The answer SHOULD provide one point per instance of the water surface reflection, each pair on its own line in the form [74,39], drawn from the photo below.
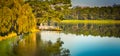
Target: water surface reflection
[32,45]
[86,45]
[92,29]
[74,40]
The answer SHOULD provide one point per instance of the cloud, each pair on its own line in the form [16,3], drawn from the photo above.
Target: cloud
[94,2]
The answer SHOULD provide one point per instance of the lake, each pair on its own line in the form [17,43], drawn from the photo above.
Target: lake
[73,40]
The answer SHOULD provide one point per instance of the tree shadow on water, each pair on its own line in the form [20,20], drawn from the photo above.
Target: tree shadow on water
[33,45]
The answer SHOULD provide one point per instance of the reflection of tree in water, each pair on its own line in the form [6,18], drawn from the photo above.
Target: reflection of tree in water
[33,45]
[47,48]
[25,46]
[92,29]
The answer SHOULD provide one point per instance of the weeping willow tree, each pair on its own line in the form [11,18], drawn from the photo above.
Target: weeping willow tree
[26,20]
[17,16]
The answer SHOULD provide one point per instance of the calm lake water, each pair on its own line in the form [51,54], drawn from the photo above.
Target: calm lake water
[74,40]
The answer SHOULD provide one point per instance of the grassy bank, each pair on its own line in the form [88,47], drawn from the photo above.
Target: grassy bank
[10,35]
[92,21]
[13,34]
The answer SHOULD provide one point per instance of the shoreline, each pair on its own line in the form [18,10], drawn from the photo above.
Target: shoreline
[92,21]
[13,34]
[10,35]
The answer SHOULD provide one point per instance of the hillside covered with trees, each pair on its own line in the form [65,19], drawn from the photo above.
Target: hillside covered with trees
[95,13]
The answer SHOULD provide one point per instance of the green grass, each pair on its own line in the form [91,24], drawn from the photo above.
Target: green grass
[91,21]
[10,35]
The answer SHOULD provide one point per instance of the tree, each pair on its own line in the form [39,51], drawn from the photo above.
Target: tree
[26,20]
[6,16]
[17,16]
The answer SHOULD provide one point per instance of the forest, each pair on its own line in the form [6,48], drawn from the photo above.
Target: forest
[94,13]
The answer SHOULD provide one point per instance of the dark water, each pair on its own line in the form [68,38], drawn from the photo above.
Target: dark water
[74,40]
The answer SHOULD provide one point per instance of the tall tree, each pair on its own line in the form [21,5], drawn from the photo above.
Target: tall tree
[15,15]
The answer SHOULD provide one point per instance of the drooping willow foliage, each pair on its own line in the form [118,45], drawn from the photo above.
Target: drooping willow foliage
[17,16]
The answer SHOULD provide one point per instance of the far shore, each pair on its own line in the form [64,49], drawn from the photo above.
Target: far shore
[91,21]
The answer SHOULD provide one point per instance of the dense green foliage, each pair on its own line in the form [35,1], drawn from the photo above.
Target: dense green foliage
[52,10]
[26,20]
[17,16]
[95,13]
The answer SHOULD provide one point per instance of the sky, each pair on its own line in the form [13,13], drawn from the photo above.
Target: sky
[93,3]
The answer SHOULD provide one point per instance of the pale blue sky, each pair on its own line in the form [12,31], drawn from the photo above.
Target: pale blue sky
[94,2]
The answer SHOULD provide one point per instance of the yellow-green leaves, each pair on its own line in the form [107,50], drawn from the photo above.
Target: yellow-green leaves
[25,20]
[16,16]
[6,16]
